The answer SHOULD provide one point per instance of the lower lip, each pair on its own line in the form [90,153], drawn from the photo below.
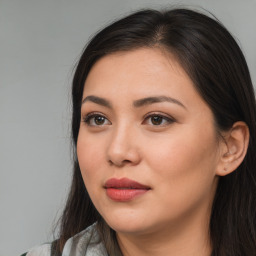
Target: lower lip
[124,195]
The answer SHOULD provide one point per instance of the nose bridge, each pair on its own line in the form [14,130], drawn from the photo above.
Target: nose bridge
[122,146]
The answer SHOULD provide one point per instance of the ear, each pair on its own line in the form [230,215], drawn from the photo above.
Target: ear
[233,148]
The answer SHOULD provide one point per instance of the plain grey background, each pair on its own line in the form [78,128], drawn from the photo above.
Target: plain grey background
[40,42]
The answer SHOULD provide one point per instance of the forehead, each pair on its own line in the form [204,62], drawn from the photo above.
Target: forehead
[143,68]
[140,73]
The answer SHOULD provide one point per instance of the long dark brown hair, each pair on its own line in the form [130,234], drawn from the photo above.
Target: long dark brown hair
[216,65]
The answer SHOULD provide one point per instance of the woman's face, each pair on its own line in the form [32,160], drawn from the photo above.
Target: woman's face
[142,121]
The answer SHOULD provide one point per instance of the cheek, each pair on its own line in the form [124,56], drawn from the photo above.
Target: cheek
[90,157]
[179,151]
[184,165]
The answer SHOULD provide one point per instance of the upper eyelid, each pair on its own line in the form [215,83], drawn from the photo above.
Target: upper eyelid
[93,114]
[158,114]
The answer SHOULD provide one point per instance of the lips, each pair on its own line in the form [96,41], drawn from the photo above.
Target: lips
[124,189]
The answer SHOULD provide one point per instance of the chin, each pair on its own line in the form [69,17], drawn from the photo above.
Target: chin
[128,229]
[131,224]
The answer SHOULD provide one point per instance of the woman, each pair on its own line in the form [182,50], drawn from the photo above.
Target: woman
[164,142]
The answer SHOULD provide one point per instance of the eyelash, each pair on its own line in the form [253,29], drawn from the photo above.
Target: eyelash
[92,115]
[168,120]
[89,116]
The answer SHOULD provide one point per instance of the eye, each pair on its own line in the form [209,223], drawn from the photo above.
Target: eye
[94,119]
[159,120]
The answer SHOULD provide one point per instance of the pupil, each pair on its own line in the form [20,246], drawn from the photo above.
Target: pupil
[99,120]
[157,120]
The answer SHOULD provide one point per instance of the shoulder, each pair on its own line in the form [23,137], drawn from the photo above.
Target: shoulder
[85,243]
[42,250]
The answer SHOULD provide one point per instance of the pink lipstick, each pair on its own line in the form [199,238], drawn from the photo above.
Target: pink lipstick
[124,189]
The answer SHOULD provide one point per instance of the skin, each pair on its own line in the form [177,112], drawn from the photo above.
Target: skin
[177,159]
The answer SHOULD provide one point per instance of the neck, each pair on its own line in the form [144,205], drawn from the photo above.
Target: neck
[189,238]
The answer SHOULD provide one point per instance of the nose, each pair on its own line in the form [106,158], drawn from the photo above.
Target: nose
[123,148]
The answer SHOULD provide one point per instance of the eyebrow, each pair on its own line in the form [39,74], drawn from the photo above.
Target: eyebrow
[97,100]
[151,100]
[136,103]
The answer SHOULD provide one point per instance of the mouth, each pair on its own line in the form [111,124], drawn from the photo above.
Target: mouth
[123,190]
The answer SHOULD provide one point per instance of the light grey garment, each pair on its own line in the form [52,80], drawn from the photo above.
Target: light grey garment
[85,243]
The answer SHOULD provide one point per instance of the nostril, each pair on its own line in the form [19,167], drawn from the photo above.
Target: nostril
[110,162]
[126,161]
[119,163]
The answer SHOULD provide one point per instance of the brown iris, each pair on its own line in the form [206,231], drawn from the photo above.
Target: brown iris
[156,120]
[99,120]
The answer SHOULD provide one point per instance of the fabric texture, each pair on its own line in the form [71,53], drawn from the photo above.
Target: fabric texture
[85,243]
